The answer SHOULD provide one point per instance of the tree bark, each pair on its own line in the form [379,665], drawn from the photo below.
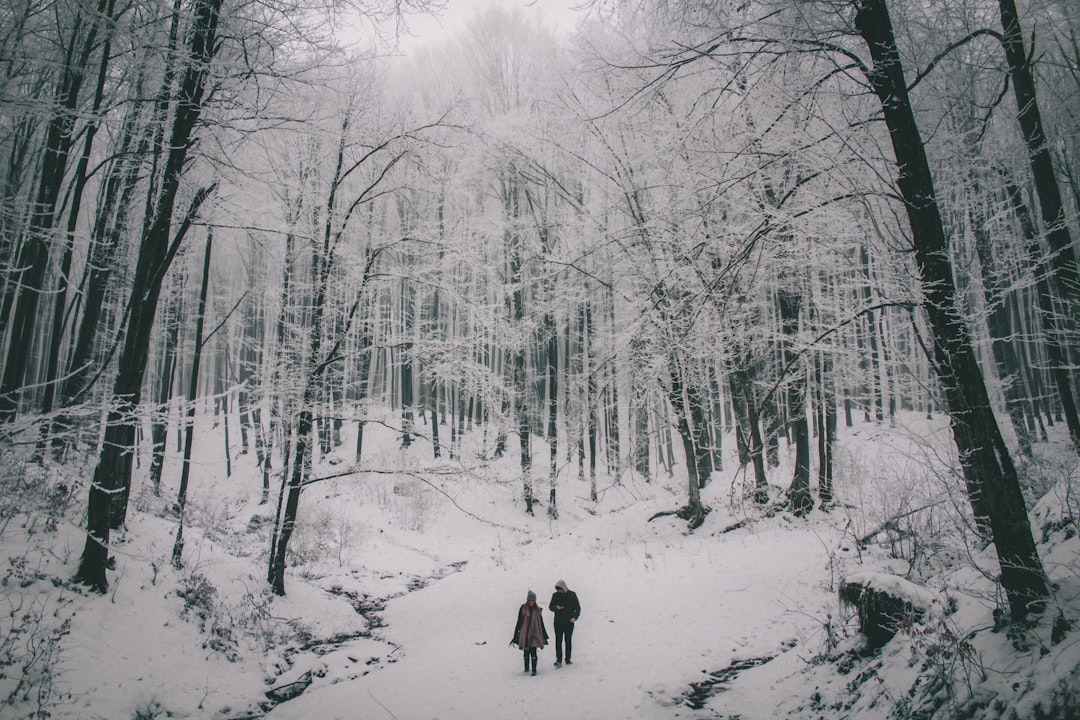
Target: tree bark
[799,500]
[112,475]
[189,410]
[992,483]
[553,412]
[679,395]
[159,420]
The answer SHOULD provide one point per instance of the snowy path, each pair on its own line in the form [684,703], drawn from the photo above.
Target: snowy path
[654,618]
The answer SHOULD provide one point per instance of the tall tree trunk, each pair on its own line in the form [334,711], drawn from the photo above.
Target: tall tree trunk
[992,483]
[159,419]
[301,470]
[553,412]
[699,417]
[639,409]
[515,248]
[612,449]
[871,329]
[434,399]
[826,384]
[590,399]
[112,475]
[716,428]
[407,417]
[189,410]
[679,394]
[799,500]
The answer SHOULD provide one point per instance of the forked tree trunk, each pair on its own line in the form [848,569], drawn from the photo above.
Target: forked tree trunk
[679,395]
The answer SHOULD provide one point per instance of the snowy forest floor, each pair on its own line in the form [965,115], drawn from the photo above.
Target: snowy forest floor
[405,577]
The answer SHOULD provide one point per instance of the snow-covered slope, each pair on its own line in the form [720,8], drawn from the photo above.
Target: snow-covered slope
[406,577]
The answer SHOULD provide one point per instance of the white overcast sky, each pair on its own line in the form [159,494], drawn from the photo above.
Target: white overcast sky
[559,15]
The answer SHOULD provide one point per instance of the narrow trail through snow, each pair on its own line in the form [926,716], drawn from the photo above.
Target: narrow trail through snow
[656,617]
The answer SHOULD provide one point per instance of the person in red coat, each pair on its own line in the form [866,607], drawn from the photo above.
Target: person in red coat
[564,603]
[529,633]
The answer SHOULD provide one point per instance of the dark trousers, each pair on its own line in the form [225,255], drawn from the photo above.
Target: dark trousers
[563,632]
[530,655]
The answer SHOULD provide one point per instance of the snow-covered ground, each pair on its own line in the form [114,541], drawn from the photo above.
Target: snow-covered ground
[406,576]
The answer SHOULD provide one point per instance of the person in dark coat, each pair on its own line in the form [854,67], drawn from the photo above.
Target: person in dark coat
[529,633]
[564,603]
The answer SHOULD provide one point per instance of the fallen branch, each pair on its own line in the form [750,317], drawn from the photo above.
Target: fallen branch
[891,523]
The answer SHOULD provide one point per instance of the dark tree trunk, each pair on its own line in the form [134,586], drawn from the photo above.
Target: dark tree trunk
[699,416]
[799,500]
[406,371]
[826,384]
[590,400]
[992,483]
[112,475]
[639,409]
[434,399]
[773,420]
[716,429]
[742,420]
[262,455]
[515,249]
[159,421]
[553,412]
[612,449]
[876,398]
[189,410]
[679,395]
[301,468]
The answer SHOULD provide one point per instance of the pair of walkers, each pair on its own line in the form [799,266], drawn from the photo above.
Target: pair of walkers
[530,634]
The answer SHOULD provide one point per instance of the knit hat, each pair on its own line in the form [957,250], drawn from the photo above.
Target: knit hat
[561,585]
[530,596]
